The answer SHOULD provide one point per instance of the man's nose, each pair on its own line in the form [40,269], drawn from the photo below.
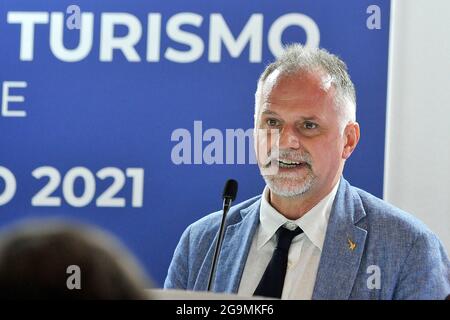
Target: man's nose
[289,138]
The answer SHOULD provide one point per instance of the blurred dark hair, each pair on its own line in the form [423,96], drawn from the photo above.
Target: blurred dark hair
[34,261]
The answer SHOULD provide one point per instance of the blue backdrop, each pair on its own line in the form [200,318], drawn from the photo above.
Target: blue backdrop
[120,111]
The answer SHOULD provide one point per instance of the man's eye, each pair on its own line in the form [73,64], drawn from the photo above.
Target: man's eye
[272,122]
[309,125]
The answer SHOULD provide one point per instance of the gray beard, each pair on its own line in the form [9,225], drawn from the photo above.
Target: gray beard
[288,185]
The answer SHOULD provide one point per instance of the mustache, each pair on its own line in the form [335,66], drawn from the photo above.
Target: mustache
[289,155]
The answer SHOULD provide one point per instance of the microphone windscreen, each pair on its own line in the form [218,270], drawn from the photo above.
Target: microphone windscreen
[230,189]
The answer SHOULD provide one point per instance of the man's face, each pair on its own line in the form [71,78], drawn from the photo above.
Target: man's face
[302,108]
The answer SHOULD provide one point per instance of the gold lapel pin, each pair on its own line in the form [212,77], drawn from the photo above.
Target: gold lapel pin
[351,244]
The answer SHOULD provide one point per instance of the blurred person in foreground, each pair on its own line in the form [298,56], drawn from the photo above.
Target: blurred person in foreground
[310,234]
[51,259]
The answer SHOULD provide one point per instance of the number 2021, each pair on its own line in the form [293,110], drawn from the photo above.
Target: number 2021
[108,198]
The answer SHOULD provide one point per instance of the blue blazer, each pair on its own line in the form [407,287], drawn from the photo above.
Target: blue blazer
[372,250]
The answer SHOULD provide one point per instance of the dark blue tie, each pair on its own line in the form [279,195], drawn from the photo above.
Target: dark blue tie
[272,281]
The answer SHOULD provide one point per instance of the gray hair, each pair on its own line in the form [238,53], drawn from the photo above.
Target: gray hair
[297,58]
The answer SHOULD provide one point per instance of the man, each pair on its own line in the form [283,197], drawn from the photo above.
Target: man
[311,235]
[58,260]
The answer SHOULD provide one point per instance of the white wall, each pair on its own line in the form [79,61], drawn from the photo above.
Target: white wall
[417,160]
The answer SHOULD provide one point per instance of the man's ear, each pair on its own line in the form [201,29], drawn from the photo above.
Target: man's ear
[351,136]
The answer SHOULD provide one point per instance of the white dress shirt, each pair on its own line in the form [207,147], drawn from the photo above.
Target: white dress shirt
[304,253]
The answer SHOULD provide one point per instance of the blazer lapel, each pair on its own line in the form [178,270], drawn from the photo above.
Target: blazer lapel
[235,247]
[343,247]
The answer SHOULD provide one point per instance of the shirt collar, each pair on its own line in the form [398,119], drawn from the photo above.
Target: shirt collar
[313,223]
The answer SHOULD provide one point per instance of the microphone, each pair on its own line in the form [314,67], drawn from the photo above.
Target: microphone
[228,196]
